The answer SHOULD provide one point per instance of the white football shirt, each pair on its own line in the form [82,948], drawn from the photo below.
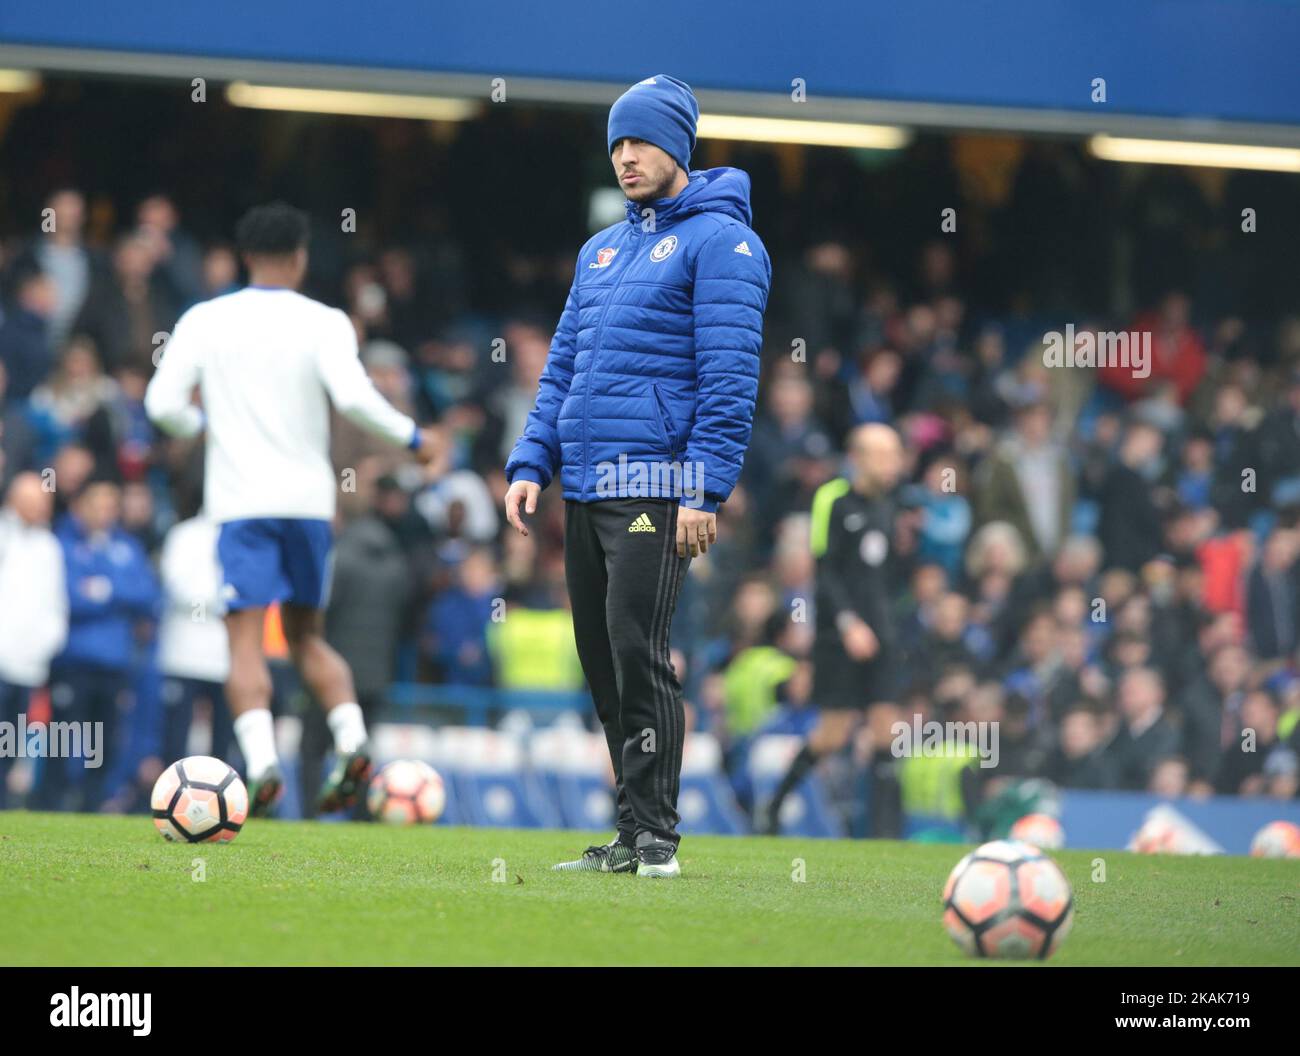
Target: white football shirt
[267,363]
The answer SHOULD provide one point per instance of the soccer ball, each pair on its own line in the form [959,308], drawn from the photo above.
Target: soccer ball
[1158,836]
[199,800]
[1277,839]
[407,792]
[1007,899]
[1042,830]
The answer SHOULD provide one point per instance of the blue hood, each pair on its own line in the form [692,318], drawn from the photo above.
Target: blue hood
[724,190]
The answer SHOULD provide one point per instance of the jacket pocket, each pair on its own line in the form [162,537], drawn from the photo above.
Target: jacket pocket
[666,427]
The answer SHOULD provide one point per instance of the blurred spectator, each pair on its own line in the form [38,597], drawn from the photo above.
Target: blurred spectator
[61,254]
[1195,478]
[364,619]
[1145,736]
[1234,424]
[1273,597]
[447,372]
[994,560]
[74,464]
[131,434]
[220,271]
[18,436]
[1170,778]
[1035,666]
[820,288]
[790,452]
[74,405]
[945,515]
[386,367]
[532,648]
[1279,440]
[24,337]
[989,393]
[506,405]
[753,680]
[1028,483]
[138,518]
[455,629]
[1244,762]
[1130,528]
[460,506]
[179,258]
[193,651]
[1080,759]
[33,600]
[411,311]
[1224,560]
[944,645]
[126,309]
[1177,352]
[1211,710]
[111,588]
[871,392]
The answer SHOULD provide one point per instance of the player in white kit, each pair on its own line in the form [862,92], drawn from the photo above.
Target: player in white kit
[268,362]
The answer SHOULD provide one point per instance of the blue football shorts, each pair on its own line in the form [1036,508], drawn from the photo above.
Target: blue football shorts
[270,559]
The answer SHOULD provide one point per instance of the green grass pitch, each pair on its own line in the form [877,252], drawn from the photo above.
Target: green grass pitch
[84,890]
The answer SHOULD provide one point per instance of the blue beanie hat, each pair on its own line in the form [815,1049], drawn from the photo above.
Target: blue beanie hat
[661,110]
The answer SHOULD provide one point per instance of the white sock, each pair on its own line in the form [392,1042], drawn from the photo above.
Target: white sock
[255,733]
[348,726]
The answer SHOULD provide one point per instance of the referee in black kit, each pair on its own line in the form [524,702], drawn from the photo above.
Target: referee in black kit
[856,663]
[644,411]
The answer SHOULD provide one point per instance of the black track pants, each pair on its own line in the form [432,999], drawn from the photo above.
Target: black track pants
[623,573]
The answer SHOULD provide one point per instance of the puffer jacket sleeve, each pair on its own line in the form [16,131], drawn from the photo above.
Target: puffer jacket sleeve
[536,455]
[731,288]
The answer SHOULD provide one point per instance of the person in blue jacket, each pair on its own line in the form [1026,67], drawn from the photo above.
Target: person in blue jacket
[644,411]
[111,589]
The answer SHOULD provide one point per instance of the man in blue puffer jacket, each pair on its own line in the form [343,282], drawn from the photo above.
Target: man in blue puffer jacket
[645,409]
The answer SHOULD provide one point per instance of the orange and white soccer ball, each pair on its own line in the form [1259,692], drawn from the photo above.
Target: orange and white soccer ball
[1042,830]
[1158,836]
[1007,899]
[407,792]
[1277,839]
[199,800]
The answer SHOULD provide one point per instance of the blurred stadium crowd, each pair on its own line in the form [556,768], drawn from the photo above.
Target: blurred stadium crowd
[1108,567]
